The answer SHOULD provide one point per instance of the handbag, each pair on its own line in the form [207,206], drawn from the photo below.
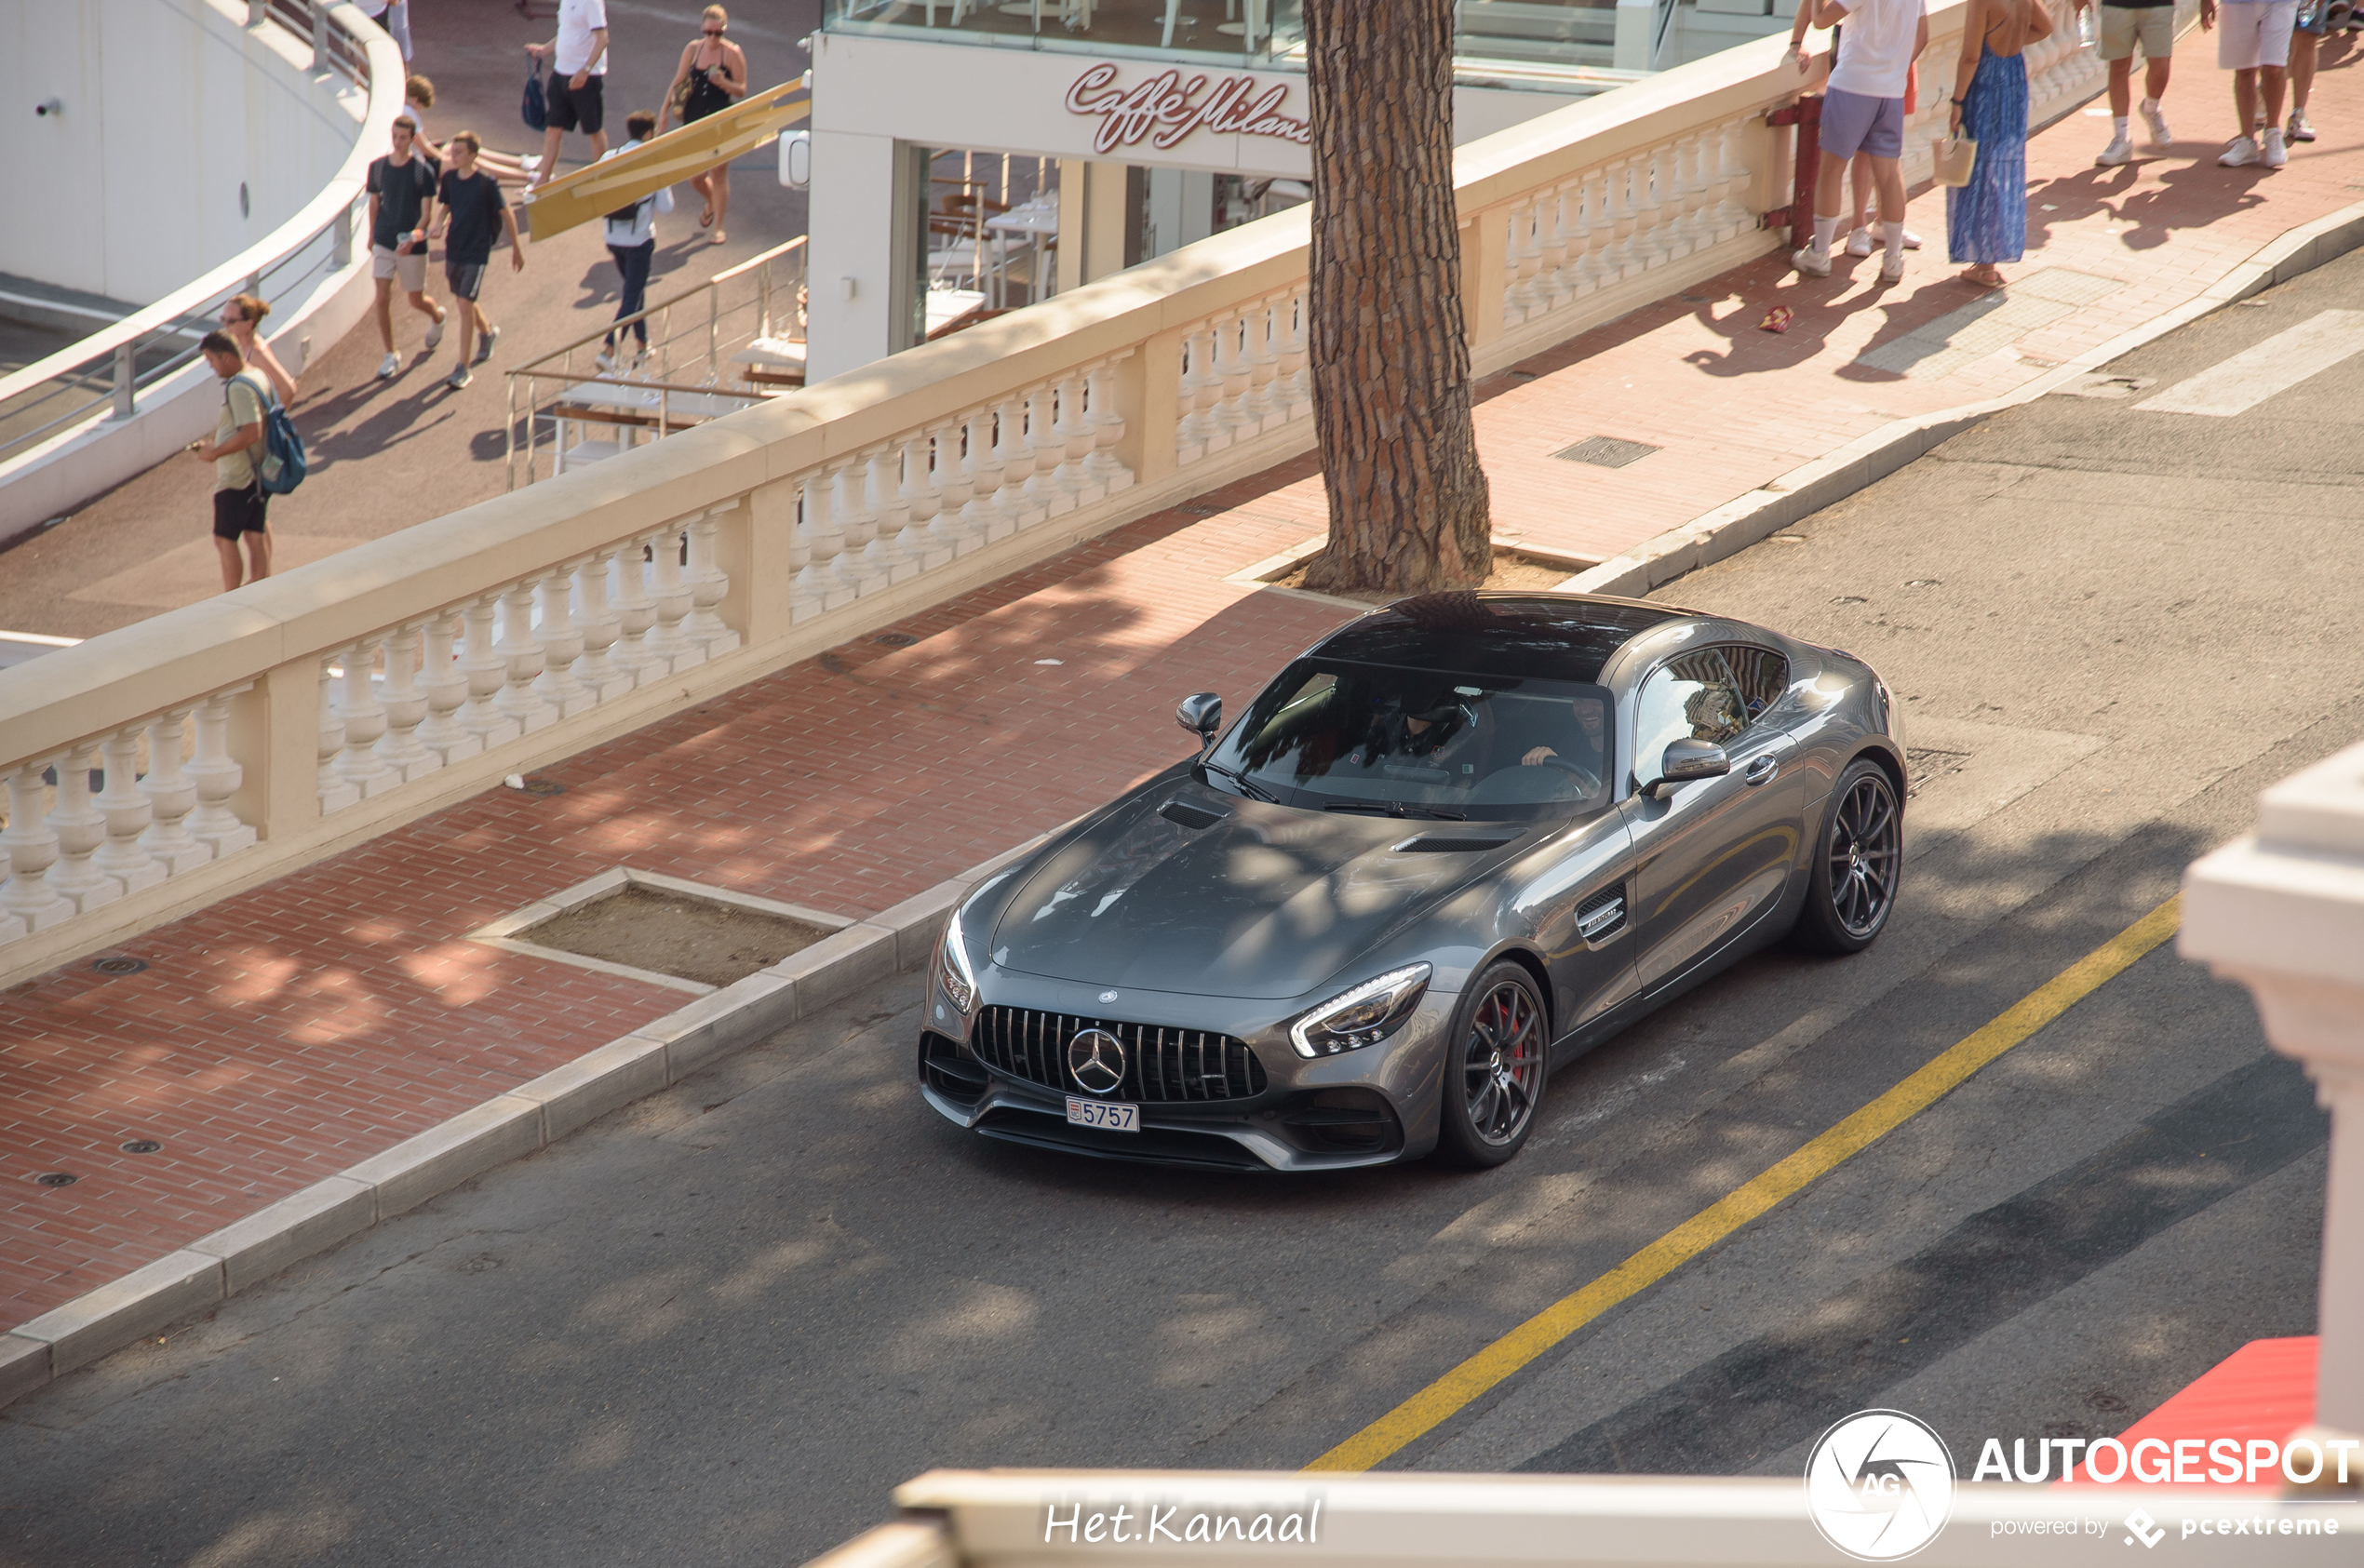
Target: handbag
[535,110]
[678,99]
[1956,156]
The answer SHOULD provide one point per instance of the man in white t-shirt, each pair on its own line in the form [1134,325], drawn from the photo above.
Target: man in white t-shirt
[578,83]
[1862,111]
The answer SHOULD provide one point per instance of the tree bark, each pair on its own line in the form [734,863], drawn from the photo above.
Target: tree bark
[1390,354]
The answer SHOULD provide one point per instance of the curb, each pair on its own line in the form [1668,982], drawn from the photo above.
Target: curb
[1804,490]
[532,1116]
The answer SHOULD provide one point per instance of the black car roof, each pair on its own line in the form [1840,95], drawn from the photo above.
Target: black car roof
[1557,637]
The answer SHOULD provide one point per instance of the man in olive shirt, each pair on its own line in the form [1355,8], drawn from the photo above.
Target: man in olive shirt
[240,500]
[474,214]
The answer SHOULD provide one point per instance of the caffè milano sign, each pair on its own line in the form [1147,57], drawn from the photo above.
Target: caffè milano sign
[1168,107]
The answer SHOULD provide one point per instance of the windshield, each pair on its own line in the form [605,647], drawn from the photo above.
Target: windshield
[1346,736]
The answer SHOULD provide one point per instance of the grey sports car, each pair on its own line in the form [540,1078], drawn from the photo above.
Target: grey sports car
[1457,843]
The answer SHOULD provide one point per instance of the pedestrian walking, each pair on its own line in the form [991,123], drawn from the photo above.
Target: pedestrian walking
[1863,112]
[578,53]
[632,240]
[474,214]
[401,200]
[240,503]
[1986,220]
[2123,24]
[2314,22]
[395,17]
[712,77]
[2253,43]
[242,318]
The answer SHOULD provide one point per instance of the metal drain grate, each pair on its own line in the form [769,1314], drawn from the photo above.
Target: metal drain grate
[119,966]
[1606,451]
[895,639]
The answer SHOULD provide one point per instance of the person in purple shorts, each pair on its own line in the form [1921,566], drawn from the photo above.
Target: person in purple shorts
[1863,112]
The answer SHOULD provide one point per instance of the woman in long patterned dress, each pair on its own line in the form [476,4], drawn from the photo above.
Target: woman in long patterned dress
[1986,220]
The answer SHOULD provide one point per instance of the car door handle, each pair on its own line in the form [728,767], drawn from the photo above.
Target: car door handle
[1761,768]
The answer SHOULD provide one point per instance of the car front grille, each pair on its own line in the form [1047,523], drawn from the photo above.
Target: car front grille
[1161,1064]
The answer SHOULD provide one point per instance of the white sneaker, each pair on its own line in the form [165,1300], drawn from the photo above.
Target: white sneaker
[2272,154]
[1912,240]
[1892,271]
[2120,151]
[604,360]
[390,366]
[2155,117]
[1812,262]
[458,379]
[2240,155]
[2301,129]
[1859,243]
[435,333]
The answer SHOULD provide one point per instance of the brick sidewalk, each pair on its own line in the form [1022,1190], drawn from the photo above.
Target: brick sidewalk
[292,1031]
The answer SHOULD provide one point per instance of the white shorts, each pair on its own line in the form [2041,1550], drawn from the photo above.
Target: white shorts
[408,269]
[2254,32]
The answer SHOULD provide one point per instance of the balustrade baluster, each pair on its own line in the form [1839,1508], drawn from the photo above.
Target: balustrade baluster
[363,718]
[1732,215]
[1295,366]
[1656,201]
[1106,420]
[1231,365]
[1200,390]
[889,554]
[561,644]
[1074,431]
[128,813]
[804,584]
[601,625]
[1014,463]
[1523,261]
[825,576]
[860,527]
[1552,286]
[523,657]
[671,591]
[919,503]
[1594,228]
[983,477]
[487,674]
[336,791]
[952,489]
[445,685]
[709,586]
[217,775]
[31,848]
[406,708]
[80,829]
[172,795]
[1265,402]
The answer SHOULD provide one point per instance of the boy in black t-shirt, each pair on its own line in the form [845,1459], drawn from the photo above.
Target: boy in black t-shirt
[401,200]
[474,216]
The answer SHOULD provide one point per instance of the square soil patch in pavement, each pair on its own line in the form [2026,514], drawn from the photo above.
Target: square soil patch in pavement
[634,922]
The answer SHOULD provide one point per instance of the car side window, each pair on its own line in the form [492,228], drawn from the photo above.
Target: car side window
[1695,697]
[1761,674]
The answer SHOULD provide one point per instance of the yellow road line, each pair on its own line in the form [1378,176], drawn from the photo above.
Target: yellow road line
[1825,1153]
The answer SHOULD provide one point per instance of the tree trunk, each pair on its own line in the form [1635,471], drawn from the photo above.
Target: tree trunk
[1389,352]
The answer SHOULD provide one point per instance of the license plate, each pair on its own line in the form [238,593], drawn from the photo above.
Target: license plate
[1101,1113]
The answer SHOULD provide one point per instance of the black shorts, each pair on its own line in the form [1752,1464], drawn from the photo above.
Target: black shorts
[584,108]
[237,512]
[465,279]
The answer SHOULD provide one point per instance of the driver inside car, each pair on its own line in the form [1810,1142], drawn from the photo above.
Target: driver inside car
[1589,743]
[1429,729]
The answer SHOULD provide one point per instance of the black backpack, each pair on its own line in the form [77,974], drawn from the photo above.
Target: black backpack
[536,108]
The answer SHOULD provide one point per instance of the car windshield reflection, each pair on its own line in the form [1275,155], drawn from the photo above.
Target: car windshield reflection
[1335,735]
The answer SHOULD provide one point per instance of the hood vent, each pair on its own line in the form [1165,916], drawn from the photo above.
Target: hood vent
[1189,815]
[1454,843]
[1601,916]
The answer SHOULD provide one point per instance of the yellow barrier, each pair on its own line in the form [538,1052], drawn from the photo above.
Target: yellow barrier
[663,160]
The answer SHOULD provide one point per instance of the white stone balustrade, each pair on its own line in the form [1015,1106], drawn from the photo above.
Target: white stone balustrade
[251,734]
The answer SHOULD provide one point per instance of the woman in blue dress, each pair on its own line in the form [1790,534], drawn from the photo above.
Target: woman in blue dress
[1986,220]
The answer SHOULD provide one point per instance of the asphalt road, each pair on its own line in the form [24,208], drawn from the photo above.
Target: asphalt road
[719,1325]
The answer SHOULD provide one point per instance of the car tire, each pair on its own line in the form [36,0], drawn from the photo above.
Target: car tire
[1497,1059]
[1859,864]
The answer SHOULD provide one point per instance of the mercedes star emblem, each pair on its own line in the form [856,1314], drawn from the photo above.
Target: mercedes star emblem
[1096,1060]
[1107,995]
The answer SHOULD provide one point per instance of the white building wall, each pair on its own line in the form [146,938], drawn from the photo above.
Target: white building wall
[168,106]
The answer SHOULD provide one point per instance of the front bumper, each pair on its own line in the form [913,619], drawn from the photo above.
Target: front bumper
[1372,1107]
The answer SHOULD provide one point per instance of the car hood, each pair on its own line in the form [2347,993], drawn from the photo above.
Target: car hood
[1266,901]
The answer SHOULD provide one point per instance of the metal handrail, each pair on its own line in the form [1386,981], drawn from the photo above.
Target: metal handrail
[336,47]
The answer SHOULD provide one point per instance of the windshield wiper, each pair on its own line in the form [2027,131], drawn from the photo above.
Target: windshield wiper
[1248,786]
[1397,808]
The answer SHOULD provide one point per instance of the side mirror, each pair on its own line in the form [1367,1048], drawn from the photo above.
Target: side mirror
[1202,715]
[1688,759]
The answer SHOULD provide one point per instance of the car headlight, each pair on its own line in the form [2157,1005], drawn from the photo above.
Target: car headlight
[952,966]
[1364,1016]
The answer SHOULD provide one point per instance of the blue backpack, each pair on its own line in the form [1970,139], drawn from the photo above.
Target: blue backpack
[536,109]
[282,466]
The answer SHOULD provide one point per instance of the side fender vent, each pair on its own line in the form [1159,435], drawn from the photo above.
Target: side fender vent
[1603,914]
[1188,815]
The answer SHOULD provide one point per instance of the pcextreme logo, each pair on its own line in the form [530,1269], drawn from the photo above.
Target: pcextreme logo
[1879,1485]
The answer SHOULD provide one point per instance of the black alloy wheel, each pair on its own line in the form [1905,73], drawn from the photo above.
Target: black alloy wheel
[1858,864]
[1494,1073]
